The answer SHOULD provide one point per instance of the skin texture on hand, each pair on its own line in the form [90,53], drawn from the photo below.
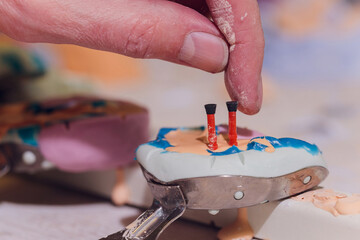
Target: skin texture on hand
[212,35]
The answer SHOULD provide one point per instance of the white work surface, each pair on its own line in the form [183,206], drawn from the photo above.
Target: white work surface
[34,210]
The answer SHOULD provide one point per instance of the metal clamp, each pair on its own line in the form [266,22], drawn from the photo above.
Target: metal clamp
[168,205]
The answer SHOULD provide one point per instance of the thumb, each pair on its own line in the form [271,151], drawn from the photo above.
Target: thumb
[142,29]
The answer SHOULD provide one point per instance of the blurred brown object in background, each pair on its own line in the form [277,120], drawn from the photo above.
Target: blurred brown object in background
[105,67]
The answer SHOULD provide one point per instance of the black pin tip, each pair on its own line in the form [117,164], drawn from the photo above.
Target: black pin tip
[232,106]
[210,108]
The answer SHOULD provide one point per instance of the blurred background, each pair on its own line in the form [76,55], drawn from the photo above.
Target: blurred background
[311,81]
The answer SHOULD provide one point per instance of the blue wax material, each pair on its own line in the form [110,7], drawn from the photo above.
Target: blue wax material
[99,103]
[161,142]
[35,107]
[13,61]
[39,63]
[228,151]
[29,135]
[22,63]
[284,142]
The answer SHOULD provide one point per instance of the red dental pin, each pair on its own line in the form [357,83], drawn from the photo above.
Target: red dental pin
[232,107]
[212,138]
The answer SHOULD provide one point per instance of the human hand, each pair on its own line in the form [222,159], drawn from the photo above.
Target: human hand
[175,31]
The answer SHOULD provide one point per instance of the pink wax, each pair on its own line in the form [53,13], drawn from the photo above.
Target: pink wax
[94,143]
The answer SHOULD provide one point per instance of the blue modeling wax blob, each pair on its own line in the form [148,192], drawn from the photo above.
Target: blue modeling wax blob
[99,103]
[29,135]
[284,142]
[161,142]
[228,151]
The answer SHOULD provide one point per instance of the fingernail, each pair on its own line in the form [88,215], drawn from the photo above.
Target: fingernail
[204,51]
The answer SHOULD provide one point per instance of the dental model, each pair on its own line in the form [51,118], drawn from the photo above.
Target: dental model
[73,134]
[184,168]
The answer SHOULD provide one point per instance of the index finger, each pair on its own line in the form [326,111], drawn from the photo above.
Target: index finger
[239,21]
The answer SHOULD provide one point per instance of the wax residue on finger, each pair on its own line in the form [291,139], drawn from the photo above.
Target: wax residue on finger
[242,18]
[223,16]
[334,202]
